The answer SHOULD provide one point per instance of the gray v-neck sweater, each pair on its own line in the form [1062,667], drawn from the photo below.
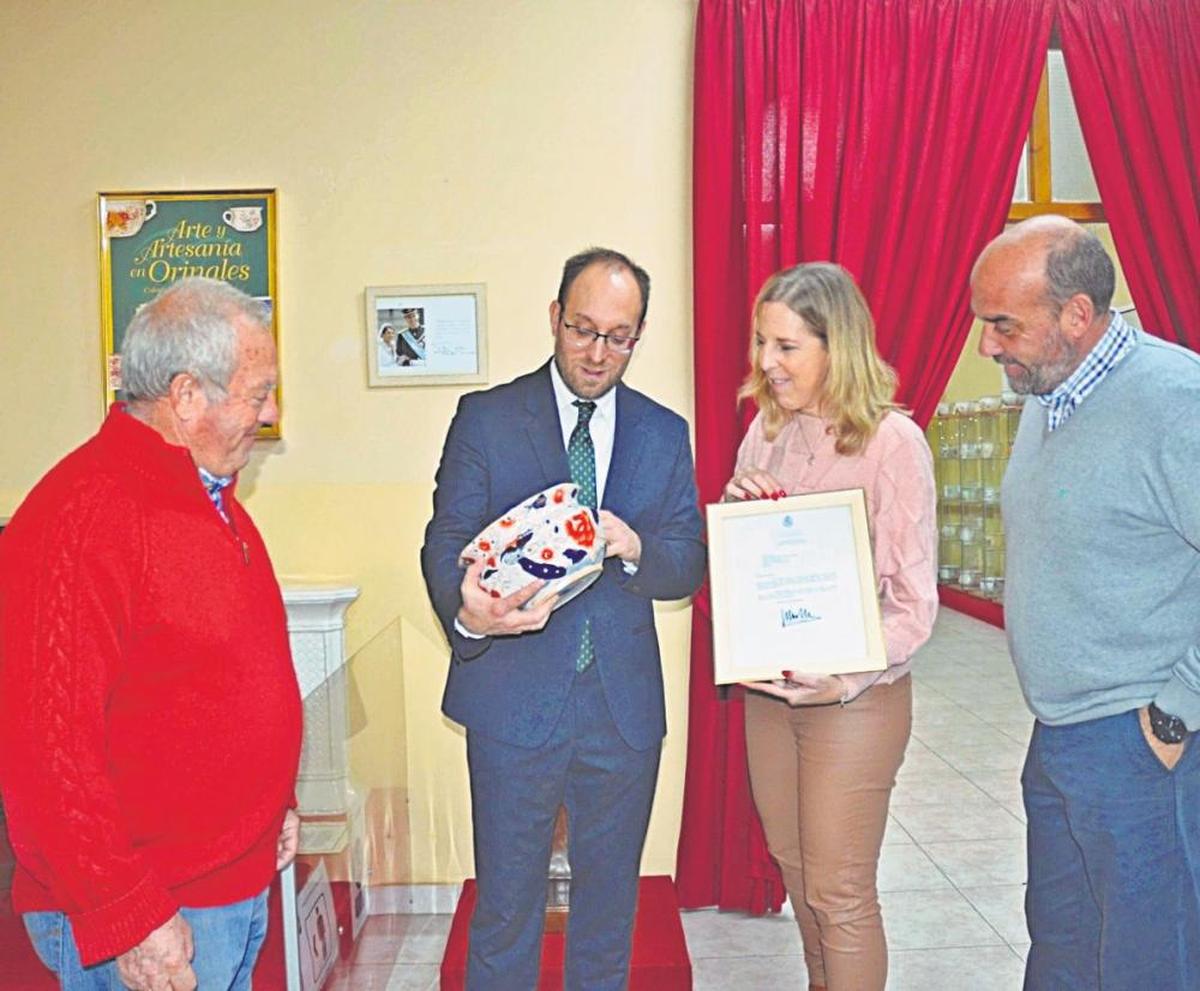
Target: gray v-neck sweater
[1102,525]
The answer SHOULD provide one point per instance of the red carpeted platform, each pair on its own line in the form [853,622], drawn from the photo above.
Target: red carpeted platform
[985,609]
[660,957]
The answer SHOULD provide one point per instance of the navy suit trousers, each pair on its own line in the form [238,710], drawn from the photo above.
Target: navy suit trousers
[607,787]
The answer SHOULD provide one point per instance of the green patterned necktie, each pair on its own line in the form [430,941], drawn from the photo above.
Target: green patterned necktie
[581,455]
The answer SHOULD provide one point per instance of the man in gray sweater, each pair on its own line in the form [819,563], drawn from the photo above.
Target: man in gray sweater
[1101,509]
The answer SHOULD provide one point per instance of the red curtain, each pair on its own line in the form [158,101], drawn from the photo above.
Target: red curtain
[881,135]
[1134,67]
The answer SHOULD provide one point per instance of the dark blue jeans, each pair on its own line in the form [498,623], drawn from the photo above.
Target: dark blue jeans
[1113,902]
[227,940]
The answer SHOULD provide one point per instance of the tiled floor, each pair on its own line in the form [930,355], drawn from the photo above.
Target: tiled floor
[950,879]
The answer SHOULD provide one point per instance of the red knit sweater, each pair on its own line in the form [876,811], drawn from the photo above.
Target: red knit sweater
[149,712]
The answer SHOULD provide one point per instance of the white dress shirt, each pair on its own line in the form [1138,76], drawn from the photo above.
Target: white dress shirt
[602,427]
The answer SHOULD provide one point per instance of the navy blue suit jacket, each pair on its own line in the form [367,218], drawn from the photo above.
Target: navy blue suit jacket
[506,444]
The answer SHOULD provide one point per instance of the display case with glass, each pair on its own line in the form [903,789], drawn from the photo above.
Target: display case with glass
[971,441]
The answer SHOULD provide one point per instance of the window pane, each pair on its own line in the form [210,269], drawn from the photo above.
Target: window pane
[1070,171]
[1021,190]
[1122,300]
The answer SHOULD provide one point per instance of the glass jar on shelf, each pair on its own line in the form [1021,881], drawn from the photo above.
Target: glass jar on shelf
[991,420]
[970,485]
[951,480]
[949,557]
[946,432]
[970,569]
[1011,405]
[991,583]
[967,414]
[970,531]
[992,471]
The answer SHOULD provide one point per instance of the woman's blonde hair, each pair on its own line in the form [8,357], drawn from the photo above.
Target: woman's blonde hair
[859,385]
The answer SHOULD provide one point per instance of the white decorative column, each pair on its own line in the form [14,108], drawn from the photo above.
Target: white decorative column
[316,628]
[316,631]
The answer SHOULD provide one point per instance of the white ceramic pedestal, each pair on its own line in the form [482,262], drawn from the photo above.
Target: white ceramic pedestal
[316,630]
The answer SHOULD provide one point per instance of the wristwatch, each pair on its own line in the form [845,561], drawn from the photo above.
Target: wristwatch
[1169,729]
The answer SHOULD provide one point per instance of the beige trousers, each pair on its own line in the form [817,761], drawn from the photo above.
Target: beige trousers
[822,777]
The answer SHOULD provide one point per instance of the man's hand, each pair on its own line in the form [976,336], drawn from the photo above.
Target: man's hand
[1168,754]
[753,484]
[162,961]
[488,617]
[289,840]
[620,538]
[802,689]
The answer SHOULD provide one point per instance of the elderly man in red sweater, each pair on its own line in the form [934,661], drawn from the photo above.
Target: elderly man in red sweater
[149,712]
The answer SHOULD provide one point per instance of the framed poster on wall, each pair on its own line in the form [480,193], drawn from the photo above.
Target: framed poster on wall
[149,240]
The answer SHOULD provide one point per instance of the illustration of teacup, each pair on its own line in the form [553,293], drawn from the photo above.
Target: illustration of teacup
[550,536]
[124,218]
[243,218]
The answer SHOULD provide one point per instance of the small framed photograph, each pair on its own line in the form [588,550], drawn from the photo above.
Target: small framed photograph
[793,587]
[426,335]
[152,239]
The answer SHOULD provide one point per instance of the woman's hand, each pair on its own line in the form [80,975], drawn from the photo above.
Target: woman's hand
[802,689]
[753,483]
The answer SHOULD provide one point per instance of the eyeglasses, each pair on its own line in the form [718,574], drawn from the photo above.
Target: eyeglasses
[585,337]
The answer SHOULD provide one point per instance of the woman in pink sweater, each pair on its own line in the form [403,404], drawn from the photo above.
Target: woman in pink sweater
[824,750]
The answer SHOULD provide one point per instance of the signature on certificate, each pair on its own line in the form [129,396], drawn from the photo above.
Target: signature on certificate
[792,615]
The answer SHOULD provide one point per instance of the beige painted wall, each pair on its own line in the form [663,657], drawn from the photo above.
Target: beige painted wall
[411,142]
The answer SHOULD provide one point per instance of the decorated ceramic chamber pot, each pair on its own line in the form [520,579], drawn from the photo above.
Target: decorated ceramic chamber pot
[549,536]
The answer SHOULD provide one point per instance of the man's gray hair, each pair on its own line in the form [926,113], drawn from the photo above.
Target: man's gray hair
[187,328]
[1078,263]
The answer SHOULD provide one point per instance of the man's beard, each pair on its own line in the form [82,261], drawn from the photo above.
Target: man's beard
[1049,373]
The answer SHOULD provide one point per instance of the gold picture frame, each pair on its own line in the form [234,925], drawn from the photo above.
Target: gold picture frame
[793,587]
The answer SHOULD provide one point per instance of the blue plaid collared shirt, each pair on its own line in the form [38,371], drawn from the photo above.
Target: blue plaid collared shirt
[1116,343]
[214,485]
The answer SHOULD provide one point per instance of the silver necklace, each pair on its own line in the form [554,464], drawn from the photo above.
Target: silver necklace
[804,437]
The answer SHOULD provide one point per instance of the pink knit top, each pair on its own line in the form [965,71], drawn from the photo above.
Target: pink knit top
[895,470]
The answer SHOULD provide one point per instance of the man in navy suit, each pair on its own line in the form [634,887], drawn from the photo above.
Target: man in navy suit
[564,708]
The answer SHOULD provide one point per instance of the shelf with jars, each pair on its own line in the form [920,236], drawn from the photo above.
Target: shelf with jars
[971,441]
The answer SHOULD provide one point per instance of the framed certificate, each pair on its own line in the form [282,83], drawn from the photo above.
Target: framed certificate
[793,587]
